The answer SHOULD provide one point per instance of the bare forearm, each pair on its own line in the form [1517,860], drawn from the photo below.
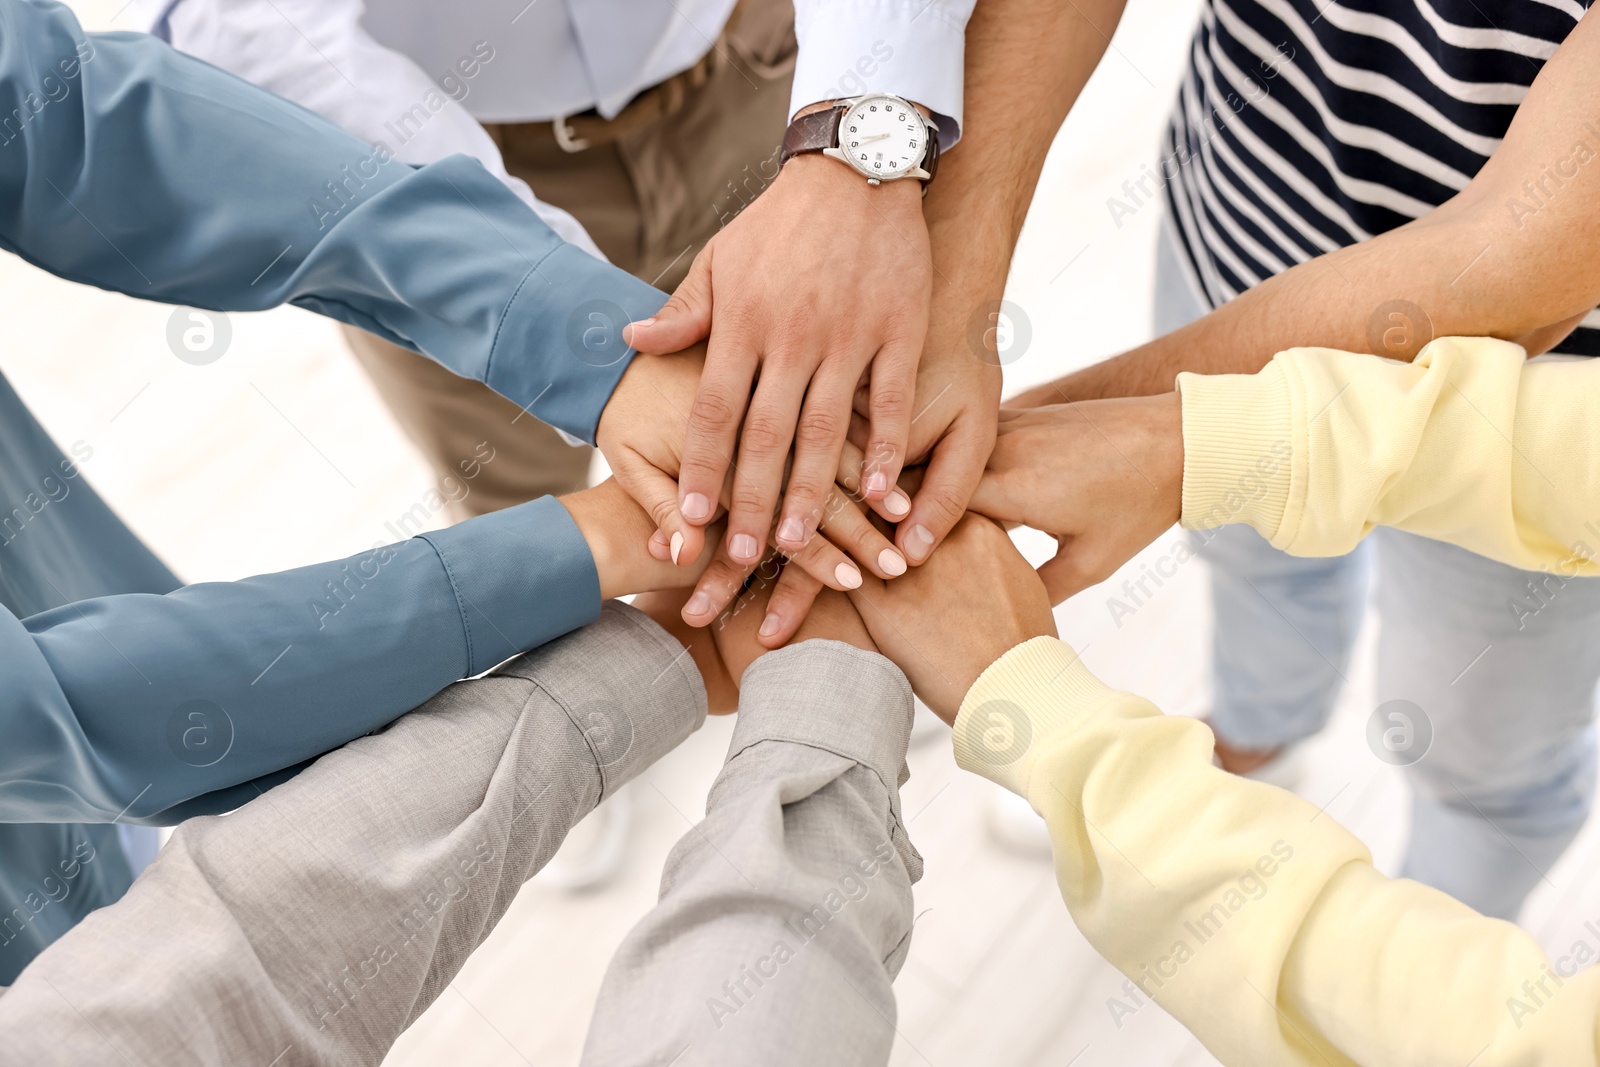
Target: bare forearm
[1027,61]
[1388,296]
[1506,257]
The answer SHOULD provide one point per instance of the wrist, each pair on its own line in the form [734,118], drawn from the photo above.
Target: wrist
[614,413]
[605,517]
[1164,444]
[817,174]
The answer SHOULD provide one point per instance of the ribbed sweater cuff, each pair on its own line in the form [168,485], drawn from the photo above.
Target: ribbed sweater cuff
[1037,690]
[1237,446]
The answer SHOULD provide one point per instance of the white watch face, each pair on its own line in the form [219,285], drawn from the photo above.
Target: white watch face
[883,137]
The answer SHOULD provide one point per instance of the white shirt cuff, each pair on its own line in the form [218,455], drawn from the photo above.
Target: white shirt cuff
[914,49]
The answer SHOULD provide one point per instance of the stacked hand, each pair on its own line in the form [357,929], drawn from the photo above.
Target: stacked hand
[923,622]
[821,284]
[947,621]
[821,381]
[723,650]
[1104,477]
[822,348]
[642,434]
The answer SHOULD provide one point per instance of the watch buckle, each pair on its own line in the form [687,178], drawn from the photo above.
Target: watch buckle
[569,142]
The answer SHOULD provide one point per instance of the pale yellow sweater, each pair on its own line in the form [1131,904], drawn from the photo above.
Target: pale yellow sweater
[1256,920]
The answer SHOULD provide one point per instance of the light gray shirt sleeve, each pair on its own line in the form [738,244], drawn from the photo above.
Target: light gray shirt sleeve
[784,915]
[318,921]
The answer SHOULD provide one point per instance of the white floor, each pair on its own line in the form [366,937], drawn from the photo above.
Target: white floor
[279,454]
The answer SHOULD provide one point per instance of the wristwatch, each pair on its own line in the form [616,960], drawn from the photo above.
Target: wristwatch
[882,136]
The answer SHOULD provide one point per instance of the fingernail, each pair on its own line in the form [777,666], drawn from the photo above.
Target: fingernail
[696,508]
[651,321]
[791,531]
[699,604]
[877,482]
[847,576]
[770,625]
[897,504]
[919,542]
[743,547]
[891,562]
[677,546]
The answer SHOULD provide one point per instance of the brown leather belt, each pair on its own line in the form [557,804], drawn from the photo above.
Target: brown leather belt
[575,133]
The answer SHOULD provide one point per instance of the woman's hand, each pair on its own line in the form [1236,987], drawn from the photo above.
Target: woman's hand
[641,433]
[946,621]
[1103,477]
[736,630]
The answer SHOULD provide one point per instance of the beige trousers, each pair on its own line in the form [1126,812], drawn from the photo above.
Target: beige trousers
[650,198]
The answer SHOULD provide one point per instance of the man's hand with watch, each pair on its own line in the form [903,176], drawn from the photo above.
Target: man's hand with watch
[823,283]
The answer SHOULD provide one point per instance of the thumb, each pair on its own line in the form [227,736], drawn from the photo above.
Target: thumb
[685,319]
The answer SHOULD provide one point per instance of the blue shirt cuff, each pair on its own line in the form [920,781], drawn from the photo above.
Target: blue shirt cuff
[521,577]
[574,306]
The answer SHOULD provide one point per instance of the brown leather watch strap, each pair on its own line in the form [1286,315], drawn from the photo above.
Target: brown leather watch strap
[812,132]
[820,129]
[930,159]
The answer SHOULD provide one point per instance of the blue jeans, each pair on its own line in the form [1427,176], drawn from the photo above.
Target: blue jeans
[1507,690]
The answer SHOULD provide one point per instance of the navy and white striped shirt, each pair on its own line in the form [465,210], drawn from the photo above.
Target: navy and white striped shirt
[1302,128]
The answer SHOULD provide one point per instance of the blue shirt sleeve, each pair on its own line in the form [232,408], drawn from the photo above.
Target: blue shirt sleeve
[132,167]
[128,166]
[151,708]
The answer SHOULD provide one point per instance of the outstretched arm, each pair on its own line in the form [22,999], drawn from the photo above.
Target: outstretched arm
[1253,918]
[1470,443]
[132,167]
[784,915]
[318,921]
[145,708]
[1506,257]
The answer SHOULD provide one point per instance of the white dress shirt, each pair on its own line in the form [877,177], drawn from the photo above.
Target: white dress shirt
[419,75]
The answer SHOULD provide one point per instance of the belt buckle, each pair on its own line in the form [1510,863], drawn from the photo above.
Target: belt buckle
[569,142]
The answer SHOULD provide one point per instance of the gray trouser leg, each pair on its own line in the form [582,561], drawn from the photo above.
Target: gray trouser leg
[786,913]
[1499,666]
[313,925]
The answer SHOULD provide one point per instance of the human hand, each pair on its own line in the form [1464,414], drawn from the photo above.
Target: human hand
[618,532]
[666,608]
[821,283]
[641,434]
[955,406]
[948,620]
[1103,477]
[736,630]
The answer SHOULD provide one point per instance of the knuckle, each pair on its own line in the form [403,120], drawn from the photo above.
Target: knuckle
[702,468]
[821,424]
[890,398]
[799,316]
[714,409]
[722,581]
[747,499]
[945,502]
[807,493]
[739,320]
[765,432]
[663,512]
